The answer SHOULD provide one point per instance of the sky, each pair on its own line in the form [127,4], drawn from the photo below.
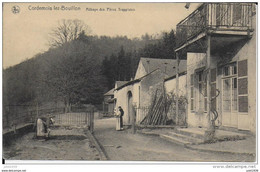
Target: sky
[26,33]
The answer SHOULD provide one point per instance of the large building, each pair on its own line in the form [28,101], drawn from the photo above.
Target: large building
[218,79]
[219,42]
[150,75]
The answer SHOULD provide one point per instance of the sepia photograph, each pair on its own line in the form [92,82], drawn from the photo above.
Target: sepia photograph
[142,82]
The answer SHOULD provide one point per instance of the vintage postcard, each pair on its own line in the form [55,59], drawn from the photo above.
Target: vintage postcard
[141,82]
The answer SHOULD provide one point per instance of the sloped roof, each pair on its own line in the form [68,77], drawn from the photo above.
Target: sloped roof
[110,92]
[134,81]
[120,83]
[165,65]
[174,76]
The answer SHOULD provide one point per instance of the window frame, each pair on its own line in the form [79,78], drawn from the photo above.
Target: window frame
[232,75]
[203,92]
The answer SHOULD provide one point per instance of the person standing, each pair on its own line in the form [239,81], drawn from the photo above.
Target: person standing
[117,115]
[121,117]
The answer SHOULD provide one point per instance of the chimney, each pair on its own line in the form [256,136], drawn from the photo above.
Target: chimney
[187,6]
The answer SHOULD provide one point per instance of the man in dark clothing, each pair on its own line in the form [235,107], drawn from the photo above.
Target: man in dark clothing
[121,117]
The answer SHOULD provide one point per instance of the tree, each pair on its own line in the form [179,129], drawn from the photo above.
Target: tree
[73,74]
[66,31]
[160,48]
[168,44]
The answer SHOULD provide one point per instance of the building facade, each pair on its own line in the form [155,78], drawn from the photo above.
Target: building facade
[219,42]
[108,103]
[135,96]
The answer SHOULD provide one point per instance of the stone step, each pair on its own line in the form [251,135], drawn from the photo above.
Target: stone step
[220,135]
[192,140]
[175,139]
[195,133]
[229,135]
[232,129]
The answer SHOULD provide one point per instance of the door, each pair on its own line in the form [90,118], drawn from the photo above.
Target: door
[229,97]
[129,107]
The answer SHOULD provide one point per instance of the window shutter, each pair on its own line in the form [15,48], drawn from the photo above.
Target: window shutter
[242,68]
[243,103]
[242,86]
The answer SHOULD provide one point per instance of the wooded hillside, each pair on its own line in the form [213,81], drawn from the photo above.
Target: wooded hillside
[81,70]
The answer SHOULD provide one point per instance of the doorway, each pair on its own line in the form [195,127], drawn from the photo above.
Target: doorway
[129,106]
[229,96]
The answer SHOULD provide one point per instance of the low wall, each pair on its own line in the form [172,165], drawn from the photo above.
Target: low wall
[11,136]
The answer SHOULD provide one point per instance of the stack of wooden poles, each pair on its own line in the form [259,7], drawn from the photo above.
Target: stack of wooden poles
[157,114]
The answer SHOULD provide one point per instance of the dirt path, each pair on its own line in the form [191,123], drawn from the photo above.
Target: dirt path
[122,145]
[27,148]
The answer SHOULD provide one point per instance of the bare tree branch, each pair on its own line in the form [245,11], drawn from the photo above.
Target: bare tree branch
[66,31]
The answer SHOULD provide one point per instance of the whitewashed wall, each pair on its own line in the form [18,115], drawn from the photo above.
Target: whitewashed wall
[170,85]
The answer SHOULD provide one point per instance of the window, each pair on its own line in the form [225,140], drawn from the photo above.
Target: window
[234,69]
[230,70]
[234,94]
[226,95]
[226,71]
[202,91]
[230,89]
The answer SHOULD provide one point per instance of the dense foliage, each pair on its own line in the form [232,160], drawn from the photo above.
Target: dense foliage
[81,70]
